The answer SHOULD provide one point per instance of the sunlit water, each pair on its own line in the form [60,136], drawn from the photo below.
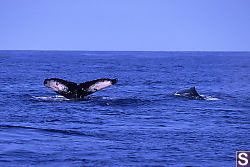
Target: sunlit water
[136,122]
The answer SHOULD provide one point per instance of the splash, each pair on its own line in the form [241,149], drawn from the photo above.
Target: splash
[56,98]
[209,97]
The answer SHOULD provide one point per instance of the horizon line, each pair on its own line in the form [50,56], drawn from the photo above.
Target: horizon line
[124,50]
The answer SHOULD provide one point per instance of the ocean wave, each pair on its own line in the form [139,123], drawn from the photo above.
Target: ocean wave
[65,132]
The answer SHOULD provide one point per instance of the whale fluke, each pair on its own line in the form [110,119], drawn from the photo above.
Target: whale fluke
[71,90]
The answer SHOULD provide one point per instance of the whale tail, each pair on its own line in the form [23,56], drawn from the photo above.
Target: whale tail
[71,90]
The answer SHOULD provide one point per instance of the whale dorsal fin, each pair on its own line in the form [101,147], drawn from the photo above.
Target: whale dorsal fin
[191,92]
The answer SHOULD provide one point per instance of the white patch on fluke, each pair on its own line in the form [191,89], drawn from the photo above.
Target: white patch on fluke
[56,86]
[99,85]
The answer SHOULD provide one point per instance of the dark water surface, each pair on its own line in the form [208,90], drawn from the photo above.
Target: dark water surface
[136,122]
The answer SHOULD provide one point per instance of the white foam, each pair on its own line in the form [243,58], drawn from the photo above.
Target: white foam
[51,98]
[209,97]
[177,94]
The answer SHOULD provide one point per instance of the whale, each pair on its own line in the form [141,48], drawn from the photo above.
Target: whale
[71,90]
[190,93]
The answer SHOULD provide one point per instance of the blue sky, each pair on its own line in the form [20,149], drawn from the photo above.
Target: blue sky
[125,25]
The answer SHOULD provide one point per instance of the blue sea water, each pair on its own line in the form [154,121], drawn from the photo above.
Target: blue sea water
[136,122]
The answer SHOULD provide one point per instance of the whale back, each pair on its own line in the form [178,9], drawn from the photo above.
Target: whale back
[191,92]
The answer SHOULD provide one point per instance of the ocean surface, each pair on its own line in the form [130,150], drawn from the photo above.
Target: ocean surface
[136,122]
